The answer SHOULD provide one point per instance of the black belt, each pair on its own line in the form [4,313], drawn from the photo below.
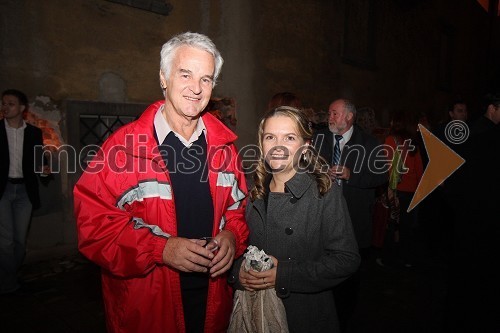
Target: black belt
[16,180]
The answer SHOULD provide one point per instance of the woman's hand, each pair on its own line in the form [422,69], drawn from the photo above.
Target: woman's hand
[253,280]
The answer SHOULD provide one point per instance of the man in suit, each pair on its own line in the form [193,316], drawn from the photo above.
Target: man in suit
[354,168]
[21,156]
[457,111]
[472,285]
[438,215]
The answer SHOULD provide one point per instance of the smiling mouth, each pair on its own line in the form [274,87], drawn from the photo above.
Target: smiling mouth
[279,157]
[194,99]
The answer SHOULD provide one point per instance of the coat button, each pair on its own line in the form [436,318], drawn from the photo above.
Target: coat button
[288,231]
[282,292]
[231,279]
[293,200]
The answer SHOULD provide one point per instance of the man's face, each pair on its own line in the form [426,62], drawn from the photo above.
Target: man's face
[459,112]
[338,118]
[495,114]
[190,84]
[11,108]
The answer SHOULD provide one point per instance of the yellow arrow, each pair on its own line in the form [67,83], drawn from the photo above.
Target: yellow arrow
[443,162]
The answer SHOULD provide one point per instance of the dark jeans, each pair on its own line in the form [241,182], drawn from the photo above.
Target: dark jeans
[15,216]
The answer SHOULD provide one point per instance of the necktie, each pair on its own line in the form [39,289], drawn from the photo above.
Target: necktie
[336,150]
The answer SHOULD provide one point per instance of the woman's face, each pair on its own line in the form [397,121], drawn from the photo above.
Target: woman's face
[281,144]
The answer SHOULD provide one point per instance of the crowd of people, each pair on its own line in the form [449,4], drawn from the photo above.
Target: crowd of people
[170,233]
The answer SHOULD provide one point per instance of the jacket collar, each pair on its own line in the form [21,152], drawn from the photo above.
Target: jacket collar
[296,186]
[143,131]
[299,184]
[355,136]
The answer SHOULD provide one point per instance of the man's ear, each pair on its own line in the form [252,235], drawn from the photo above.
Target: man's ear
[163,81]
[490,110]
[23,107]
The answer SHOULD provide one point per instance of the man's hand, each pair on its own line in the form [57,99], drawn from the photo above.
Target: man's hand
[340,172]
[187,255]
[225,255]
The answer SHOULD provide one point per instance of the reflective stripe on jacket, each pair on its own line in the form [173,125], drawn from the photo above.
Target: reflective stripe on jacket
[124,206]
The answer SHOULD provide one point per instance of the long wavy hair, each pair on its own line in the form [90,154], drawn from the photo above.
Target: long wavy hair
[309,162]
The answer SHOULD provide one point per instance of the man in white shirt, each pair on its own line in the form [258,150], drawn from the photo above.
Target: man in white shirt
[20,143]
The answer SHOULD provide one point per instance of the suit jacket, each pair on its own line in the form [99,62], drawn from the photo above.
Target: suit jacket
[359,191]
[32,138]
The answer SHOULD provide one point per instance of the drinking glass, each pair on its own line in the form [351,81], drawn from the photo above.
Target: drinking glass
[210,244]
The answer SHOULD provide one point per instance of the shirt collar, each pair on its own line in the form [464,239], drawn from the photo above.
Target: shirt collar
[162,129]
[345,137]
[7,126]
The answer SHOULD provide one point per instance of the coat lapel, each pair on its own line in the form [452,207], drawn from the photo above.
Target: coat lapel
[299,184]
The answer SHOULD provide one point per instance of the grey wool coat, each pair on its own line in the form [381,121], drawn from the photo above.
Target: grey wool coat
[313,240]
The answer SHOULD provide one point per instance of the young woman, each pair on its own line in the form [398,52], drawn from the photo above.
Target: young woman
[297,217]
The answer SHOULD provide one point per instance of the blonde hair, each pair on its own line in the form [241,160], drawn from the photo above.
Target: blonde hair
[311,163]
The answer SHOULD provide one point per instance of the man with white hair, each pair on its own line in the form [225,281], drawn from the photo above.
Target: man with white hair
[159,187]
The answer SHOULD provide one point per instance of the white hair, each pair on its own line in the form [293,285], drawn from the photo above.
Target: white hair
[192,39]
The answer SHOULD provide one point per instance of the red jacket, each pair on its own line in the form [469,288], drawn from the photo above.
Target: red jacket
[125,212]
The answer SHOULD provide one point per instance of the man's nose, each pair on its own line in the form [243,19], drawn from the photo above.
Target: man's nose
[196,88]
